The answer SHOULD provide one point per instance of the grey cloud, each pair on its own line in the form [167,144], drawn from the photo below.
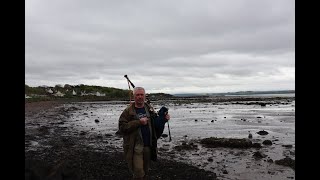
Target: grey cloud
[183,41]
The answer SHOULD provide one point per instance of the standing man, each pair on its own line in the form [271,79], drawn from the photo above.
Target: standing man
[141,127]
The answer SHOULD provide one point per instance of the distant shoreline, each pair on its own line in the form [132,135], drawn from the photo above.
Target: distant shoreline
[258,99]
[266,95]
[240,93]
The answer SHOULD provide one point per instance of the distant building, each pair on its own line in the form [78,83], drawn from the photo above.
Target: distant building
[26,96]
[83,93]
[49,90]
[74,93]
[59,94]
[100,94]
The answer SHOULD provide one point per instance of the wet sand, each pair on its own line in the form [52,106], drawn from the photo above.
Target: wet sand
[67,137]
[55,151]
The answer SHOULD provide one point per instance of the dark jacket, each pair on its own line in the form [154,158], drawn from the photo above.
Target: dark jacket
[129,126]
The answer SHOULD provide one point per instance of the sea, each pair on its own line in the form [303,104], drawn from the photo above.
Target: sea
[267,95]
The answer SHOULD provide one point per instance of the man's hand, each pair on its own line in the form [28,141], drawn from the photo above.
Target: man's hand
[144,120]
[167,117]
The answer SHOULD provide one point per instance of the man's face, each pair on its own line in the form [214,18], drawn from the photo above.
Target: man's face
[139,96]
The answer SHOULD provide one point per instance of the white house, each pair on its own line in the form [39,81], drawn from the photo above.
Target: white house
[83,93]
[74,93]
[59,94]
[49,90]
[26,96]
[100,94]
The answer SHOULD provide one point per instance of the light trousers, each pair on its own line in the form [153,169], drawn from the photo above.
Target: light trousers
[141,163]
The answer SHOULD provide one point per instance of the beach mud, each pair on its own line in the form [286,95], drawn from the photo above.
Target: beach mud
[54,149]
[209,140]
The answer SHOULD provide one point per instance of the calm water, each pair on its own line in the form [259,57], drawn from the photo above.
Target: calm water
[268,95]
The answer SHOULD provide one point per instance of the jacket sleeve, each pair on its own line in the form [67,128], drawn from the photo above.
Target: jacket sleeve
[126,125]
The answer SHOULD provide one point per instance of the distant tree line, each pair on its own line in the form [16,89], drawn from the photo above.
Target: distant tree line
[68,90]
[110,93]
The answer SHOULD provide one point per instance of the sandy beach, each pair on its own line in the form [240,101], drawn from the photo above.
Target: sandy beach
[79,140]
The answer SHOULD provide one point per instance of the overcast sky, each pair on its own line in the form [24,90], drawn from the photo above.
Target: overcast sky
[169,46]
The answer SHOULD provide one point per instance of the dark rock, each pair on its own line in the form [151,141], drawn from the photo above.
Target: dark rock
[287,146]
[108,135]
[263,132]
[99,136]
[258,155]
[213,142]
[267,142]
[185,146]
[38,169]
[184,143]
[286,162]
[270,161]
[256,145]
[250,135]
